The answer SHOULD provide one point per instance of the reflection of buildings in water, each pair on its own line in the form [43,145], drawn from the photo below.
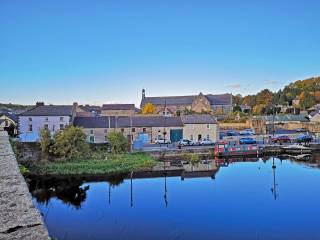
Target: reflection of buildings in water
[224,162]
[200,169]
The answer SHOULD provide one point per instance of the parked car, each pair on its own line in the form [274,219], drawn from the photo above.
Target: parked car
[247,132]
[281,139]
[205,142]
[304,138]
[186,142]
[232,133]
[301,130]
[162,141]
[247,140]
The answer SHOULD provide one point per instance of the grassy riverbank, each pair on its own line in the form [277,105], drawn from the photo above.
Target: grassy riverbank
[112,164]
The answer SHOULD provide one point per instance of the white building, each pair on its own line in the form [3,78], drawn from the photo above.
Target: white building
[201,126]
[52,117]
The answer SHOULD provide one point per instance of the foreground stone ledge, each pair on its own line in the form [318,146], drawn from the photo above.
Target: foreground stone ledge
[19,219]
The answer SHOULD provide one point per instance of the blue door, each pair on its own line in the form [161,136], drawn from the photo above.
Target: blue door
[175,135]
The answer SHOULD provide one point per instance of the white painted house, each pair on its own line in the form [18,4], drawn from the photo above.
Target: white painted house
[52,117]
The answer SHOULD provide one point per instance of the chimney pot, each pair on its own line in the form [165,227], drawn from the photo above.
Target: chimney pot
[38,104]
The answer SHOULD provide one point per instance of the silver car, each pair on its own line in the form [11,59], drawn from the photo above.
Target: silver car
[206,142]
[162,141]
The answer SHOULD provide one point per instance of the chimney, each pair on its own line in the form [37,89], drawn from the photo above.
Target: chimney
[75,104]
[38,104]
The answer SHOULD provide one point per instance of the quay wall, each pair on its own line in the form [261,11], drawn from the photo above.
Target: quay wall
[19,219]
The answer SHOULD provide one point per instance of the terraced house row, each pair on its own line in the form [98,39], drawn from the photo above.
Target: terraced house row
[98,121]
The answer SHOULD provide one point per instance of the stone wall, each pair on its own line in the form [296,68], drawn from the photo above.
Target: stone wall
[236,126]
[19,219]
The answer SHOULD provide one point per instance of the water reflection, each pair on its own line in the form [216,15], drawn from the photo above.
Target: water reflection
[73,191]
[274,186]
[69,191]
[177,201]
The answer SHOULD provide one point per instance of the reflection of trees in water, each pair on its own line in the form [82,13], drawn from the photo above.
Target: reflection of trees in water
[115,181]
[69,190]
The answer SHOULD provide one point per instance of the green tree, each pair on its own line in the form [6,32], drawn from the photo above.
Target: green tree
[118,142]
[45,140]
[237,108]
[71,143]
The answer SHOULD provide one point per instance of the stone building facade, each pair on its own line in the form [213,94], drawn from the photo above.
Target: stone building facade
[155,127]
[180,105]
[117,110]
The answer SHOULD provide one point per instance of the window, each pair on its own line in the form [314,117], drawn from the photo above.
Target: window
[133,130]
[30,127]
[91,139]
[208,126]
[30,119]
[47,119]
[53,128]
[46,126]
[106,131]
[122,130]
[6,123]
[144,130]
[106,138]
[61,126]
[191,137]
[61,119]
[208,136]
[91,131]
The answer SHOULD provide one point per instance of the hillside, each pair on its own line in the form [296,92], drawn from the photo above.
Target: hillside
[307,92]
[10,107]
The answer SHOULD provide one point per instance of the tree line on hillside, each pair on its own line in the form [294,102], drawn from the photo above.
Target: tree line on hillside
[306,92]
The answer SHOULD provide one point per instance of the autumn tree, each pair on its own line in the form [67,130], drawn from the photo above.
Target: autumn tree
[317,96]
[148,109]
[306,100]
[249,100]
[258,109]
[264,97]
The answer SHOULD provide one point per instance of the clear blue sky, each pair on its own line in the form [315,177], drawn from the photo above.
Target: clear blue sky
[106,51]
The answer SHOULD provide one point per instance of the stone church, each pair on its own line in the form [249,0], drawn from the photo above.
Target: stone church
[220,104]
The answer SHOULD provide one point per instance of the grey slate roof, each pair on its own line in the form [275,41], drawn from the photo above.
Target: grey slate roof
[49,110]
[158,121]
[91,108]
[198,119]
[127,122]
[13,117]
[221,99]
[285,118]
[118,107]
[91,122]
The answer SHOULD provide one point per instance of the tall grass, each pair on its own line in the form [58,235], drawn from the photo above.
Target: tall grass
[112,163]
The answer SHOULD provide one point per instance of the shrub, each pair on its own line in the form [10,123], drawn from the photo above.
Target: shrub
[71,143]
[45,140]
[192,157]
[118,142]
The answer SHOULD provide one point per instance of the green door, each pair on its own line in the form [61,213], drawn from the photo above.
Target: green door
[175,135]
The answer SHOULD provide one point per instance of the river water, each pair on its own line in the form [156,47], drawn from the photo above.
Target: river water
[237,199]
